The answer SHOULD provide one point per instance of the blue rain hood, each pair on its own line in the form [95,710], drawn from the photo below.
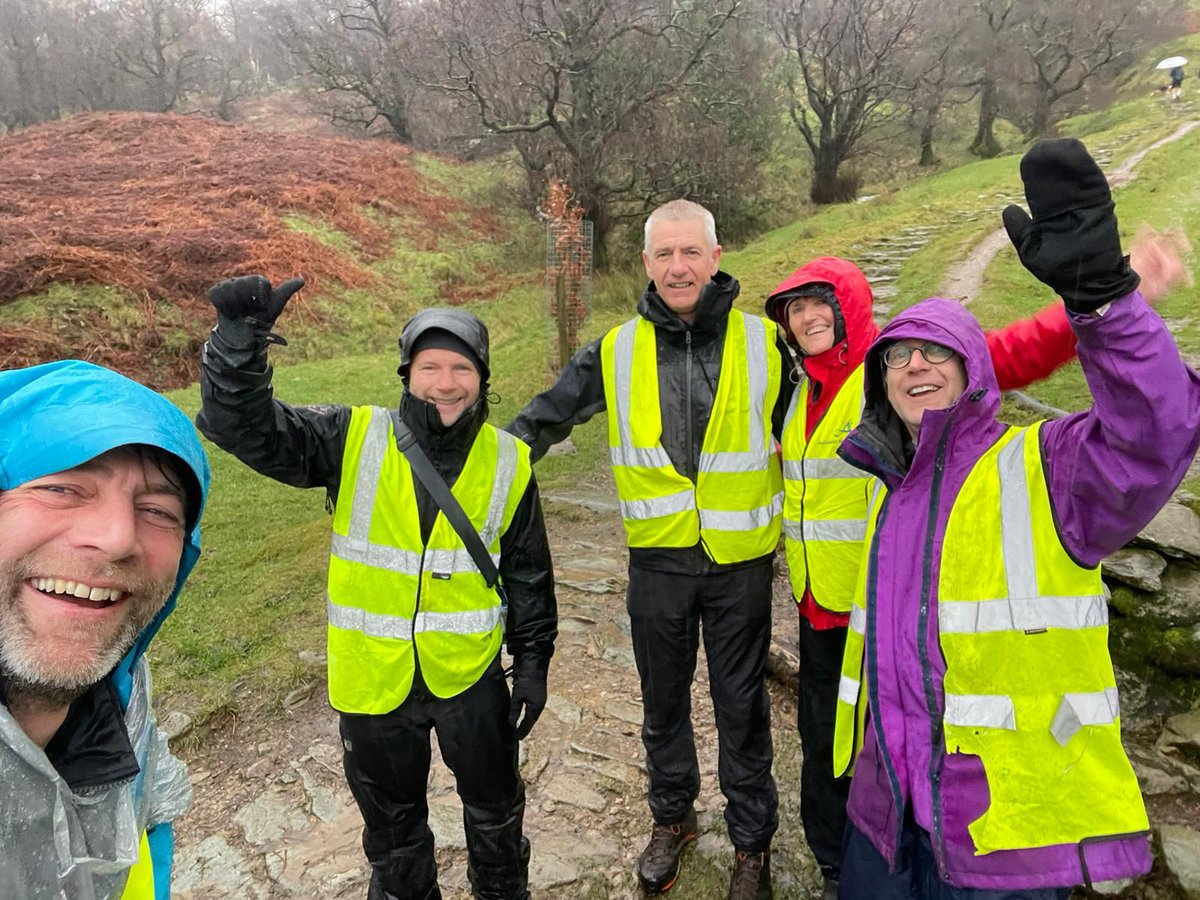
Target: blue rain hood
[59,415]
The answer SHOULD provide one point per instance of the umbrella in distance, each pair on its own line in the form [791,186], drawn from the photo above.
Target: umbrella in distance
[1171,62]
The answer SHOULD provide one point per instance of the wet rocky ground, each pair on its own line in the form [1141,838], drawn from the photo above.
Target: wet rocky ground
[273,818]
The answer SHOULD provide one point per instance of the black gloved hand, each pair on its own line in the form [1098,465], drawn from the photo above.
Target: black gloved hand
[1071,243]
[528,693]
[251,295]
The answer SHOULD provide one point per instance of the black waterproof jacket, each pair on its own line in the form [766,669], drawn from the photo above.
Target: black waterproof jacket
[303,446]
[689,364]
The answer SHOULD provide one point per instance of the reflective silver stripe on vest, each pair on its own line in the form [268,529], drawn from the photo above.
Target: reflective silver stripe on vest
[875,489]
[858,620]
[794,403]
[1039,613]
[506,474]
[812,469]
[627,454]
[1016,533]
[671,504]
[347,618]
[980,711]
[741,519]
[848,689]
[377,556]
[641,457]
[1077,710]
[825,530]
[1024,609]
[357,548]
[370,463]
[755,458]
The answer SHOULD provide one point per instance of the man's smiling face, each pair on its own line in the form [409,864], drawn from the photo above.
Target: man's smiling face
[447,379]
[921,385]
[88,557]
[680,262]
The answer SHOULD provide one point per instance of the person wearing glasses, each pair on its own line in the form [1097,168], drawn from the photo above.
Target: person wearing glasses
[825,311]
[977,707]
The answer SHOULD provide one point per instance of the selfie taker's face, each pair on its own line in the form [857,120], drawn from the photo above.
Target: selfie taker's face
[88,557]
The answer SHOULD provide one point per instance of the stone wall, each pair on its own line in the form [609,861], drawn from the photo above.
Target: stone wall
[1155,641]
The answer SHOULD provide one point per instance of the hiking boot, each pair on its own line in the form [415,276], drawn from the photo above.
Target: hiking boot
[658,866]
[751,876]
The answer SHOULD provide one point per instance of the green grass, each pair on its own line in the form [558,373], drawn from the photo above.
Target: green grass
[256,598]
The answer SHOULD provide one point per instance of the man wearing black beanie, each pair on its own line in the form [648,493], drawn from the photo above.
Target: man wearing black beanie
[415,629]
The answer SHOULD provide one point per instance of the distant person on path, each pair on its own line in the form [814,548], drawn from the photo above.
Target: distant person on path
[1176,82]
[978,707]
[695,391]
[826,311]
[102,483]
[415,630]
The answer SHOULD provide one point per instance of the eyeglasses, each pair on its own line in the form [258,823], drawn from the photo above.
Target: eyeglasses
[898,356]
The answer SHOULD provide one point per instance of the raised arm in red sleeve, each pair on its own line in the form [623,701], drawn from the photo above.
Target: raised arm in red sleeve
[1028,350]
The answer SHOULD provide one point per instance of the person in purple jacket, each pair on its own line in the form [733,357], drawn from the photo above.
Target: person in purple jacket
[978,707]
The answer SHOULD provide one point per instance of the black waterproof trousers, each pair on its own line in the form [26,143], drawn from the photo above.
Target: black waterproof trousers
[387,765]
[733,609]
[822,796]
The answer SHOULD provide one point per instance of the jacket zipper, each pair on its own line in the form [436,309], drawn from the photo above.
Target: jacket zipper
[417,607]
[872,661]
[692,473]
[935,719]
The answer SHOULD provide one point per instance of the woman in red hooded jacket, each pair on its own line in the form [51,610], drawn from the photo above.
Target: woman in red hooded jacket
[826,310]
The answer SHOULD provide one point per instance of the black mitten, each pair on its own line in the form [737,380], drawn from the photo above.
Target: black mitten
[1071,243]
[251,295]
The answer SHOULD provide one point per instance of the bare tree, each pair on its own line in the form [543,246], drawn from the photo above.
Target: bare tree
[1066,45]
[356,52]
[160,45]
[989,38]
[851,62]
[27,90]
[574,84]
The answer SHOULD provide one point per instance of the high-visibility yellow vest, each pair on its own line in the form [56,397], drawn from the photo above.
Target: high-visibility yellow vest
[824,498]
[734,505]
[389,594]
[140,885]
[1029,684]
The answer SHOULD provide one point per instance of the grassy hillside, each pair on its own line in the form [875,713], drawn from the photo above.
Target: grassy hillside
[256,598]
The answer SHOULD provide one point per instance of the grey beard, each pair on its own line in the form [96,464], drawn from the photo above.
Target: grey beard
[28,679]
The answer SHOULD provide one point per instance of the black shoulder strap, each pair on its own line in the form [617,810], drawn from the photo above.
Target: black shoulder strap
[406,443]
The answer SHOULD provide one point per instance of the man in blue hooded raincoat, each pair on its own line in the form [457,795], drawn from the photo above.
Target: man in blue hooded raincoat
[102,482]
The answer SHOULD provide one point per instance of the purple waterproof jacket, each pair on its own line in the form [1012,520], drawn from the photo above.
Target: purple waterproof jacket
[1109,471]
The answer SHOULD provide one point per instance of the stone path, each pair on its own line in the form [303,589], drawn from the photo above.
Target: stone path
[273,818]
[965,279]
